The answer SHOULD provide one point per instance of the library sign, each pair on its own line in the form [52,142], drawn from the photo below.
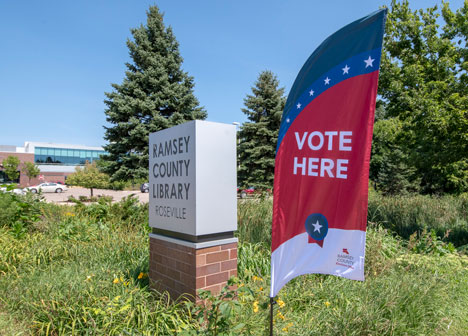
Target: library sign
[192,180]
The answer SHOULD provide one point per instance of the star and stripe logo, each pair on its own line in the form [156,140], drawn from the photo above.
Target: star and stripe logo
[317,226]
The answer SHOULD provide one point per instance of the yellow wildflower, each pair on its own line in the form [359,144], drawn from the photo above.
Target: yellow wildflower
[255,307]
[280,303]
[116,281]
[280,315]
[256,278]
[88,278]
[326,303]
[69,214]
[261,288]
[142,275]
[241,285]
[285,329]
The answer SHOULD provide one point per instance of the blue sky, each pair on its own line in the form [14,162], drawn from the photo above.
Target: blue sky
[59,57]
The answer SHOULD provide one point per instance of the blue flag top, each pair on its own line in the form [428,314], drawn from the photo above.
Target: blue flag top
[348,43]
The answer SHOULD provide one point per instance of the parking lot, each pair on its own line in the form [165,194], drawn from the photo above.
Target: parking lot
[79,191]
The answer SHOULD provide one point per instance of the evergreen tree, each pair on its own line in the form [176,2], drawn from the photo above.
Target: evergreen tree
[155,94]
[395,176]
[258,136]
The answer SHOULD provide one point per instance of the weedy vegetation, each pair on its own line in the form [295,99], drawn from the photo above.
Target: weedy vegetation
[83,270]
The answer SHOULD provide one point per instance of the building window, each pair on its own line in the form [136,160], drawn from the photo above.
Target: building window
[4,178]
[44,155]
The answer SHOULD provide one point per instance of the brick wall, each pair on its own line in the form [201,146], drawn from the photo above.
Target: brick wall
[180,269]
[24,180]
[23,157]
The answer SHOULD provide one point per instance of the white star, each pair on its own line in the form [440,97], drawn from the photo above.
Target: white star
[287,120]
[298,105]
[346,69]
[311,92]
[369,62]
[317,226]
[327,81]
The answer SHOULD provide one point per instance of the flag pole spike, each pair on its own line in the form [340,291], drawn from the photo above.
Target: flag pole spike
[272,302]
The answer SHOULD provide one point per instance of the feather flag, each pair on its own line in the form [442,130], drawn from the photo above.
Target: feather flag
[322,158]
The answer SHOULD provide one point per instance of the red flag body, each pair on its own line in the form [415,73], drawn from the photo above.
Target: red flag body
[322,169]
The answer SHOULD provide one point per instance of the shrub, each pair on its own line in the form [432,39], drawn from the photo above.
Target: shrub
[8,209]
[72,199]
[117,185]
[19,212]
[105,198]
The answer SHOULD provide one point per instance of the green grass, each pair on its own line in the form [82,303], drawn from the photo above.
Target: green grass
[67,286]
[10,327]
[254,220]
[405,215]
[402,215]
[76,272]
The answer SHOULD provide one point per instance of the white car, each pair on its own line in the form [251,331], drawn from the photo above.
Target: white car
[14,191]
[47,187]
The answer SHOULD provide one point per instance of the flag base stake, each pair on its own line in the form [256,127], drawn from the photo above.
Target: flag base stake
[272,302]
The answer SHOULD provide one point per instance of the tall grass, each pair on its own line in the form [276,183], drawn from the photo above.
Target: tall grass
[83,270]
[403,215]
[254,220]
[406,215]
[404,294]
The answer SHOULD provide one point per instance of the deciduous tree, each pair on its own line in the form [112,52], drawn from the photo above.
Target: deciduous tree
[423,84]
[31,170]
[10,167]
[88,176]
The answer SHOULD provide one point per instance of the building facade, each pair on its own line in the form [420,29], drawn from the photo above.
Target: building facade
[55,161]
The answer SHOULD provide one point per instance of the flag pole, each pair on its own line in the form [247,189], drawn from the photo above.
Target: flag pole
[272,302]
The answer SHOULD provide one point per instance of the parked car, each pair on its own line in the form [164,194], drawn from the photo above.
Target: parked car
[251,191]
[47,187]
[144,188]
[244,192]
[14,191]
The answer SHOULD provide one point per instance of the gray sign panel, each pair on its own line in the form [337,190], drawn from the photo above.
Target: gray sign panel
[192,169]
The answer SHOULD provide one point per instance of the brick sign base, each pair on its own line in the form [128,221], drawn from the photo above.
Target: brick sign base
[180,267]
